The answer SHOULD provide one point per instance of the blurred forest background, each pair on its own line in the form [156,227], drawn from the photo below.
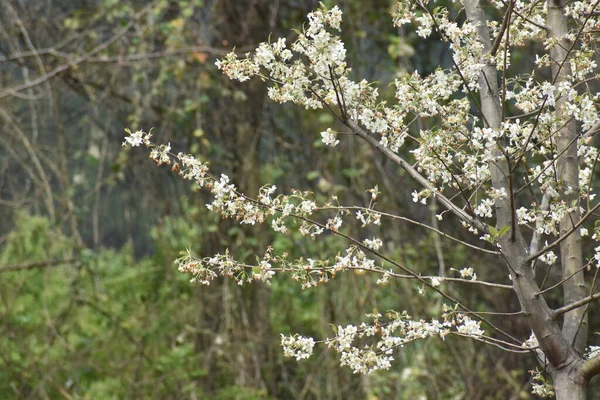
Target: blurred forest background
[91,305]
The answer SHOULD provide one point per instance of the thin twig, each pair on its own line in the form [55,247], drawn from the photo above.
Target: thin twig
[35,265]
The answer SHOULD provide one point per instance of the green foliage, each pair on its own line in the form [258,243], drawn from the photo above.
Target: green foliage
[237,393]
[113,327]
[109,327]
[33,239]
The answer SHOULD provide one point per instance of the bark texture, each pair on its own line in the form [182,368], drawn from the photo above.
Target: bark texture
[570,385]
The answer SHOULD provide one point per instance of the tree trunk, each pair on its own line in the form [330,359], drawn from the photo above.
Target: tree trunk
[569,384]
[575,325]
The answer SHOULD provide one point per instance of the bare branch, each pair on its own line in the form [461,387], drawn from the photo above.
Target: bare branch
[36,265]
[562,280]
[45,77]
[582,302]
[535,240]
[505,24]
[421,224]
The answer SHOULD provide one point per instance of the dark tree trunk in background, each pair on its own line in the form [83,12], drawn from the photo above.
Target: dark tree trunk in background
[243,314]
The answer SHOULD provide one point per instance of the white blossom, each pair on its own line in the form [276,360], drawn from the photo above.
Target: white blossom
[468,272]
[436,281]
[329,137]
[374,243]
[297,346]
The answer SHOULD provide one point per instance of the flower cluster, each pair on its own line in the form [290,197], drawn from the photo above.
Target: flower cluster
[309,272]
[329,137]
[541,386]
[297,346]
[468,272]
[532,342]
[137,138]
[592,351]
[228,201]
[385,334]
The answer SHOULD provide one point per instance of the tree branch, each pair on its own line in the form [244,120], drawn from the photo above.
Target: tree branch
[45,77]
[35,265]
[591,367]
[582,302]
[536,239]
[459,212]
[412,221]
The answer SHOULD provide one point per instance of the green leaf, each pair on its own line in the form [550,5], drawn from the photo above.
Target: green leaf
[503,231]
[311,175]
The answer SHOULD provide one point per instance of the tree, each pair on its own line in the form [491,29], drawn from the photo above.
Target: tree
[504,145]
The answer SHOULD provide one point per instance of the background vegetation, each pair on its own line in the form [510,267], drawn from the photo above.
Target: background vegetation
[91,305]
